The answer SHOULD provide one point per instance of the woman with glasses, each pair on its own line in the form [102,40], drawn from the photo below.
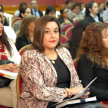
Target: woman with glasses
[64,16]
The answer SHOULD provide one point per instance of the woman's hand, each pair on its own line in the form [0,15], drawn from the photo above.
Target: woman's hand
[86,94]
[75,90]
[12,67]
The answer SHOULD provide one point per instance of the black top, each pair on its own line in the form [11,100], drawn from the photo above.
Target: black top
[5,22]
[61,20]
[87,71]
[22,41]
[63,76]
[90,19]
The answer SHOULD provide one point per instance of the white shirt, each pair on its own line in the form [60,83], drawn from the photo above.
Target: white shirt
[95,18]
[105,15]
[35,12]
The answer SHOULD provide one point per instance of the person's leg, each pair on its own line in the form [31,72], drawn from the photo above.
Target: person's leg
[13,91]
[6,97]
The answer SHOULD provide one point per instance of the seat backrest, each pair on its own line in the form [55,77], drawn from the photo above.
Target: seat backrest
[19,82]
[23,49]
[63,39]
[15,19]
[68,33]
[65,26]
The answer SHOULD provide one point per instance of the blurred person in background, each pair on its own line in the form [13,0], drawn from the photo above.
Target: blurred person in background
[34,10]
[25,11]
[22,4]
[68,4]
[101,10]
[5,23]
[76,12]
[51,11]
[26,31]
[64,14]
[91,12]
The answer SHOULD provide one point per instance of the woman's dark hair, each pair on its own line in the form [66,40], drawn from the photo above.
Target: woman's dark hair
[77,33]
[1,10]
[39,32]
[4,41]
[89,6]
[50,9]
[1,6]
[22,4]
[67,2]
[22,10]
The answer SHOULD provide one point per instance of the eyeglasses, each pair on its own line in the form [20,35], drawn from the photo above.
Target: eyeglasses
[65,12]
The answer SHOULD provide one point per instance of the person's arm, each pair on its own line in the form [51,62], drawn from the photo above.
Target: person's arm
[34,78]
[16,58]
[86,74]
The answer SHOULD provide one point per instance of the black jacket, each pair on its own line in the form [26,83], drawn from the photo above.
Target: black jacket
[61,20]
[90,19]
[40,12]
[22,41]
[87,72]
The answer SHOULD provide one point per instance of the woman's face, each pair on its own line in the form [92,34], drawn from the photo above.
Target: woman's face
[31,26]
[27,13]
[1,26]
[101,7]
[76,10]
[105,37]
[51,36]
[52,14]
[94,9]
[65,13]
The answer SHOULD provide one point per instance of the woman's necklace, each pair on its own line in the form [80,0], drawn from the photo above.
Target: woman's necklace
[53,61]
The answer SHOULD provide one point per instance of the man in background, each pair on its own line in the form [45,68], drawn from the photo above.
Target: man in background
[68,4]
[34,10]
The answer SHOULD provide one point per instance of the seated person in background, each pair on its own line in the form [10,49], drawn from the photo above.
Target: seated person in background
[25,11]
[101,10]
[68,4]
[47,68]
[105,14]
[77,33]
[8,52]
[82,8]
[5,23]
[76,12]
[34,10]
[93,59]
[22,4]
[91,12]
[26,31]
[51,11]
[64,14]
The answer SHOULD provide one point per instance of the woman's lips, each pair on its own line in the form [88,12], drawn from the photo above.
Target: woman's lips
[52,41]
[0,31]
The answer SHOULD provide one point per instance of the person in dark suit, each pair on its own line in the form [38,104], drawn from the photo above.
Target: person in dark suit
[34,10]
[26,31]
[91,12]
[93,59]
[64,14]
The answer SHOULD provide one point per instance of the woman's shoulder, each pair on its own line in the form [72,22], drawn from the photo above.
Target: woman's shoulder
[31,54]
